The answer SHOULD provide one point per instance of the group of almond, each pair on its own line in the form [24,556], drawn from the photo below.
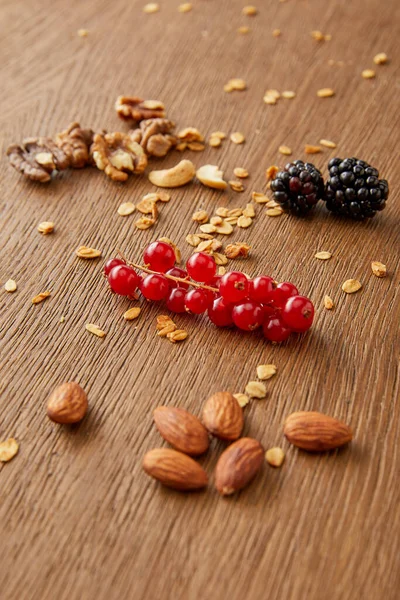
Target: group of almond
[239,463]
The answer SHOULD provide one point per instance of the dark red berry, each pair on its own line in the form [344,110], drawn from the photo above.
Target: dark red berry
[261,288]
[123,280]
[220,313]
[111,263]
[197,301]
[298,313]
[201,267]
[177,272]
[159,256]
[234,287]
[176,300]
[155,287]
[275,330]
[248,316]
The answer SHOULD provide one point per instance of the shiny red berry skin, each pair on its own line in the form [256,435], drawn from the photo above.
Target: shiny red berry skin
[111,263]
[123,280]
[159,257]
[275,330]
[176,300]
[201,267]
[248,315]
[197,301]
[215,281]
[261,289]
[177,272]
[220,313]
[298,313]
[154,287]
[282,292]
[234,286]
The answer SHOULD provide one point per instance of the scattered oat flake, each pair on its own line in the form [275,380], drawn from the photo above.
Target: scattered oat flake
[83,32]
[238,85]
[243,29]
[325,93]
[221,270]
[146,205]
[95,330]
[144,223]
[275,457]
[237,137]
[163,196]
[327,143]
[46,227]
[242,399]
[323,255]
[259,197]
[125,209]
[220,259]
[274,93]
[285,150]
[40,297]
[368,74]
[274,212]
[249,211]
[249,11]
[236,186]
[222,211]
[380,59]
[318,36]
[240,172]
[309,149]
[193,240]
[276,32]
[214,142]
[224,229]
[328,303]
[132,313]
[62,320]
[86,252]
[288,94]
[271,100]
[185,7]
[379,269]
[271,172]
[238,249]
[266,371]
[256,389]
[8,449]
[150,8]
[177,336]
[244,222]
[351,285]
[10,285]
[200,216]
[208,228]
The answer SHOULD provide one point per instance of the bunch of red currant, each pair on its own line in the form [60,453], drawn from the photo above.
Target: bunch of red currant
[230,299]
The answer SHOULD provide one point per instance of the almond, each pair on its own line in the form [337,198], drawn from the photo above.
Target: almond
[174,469]
[223,416]
[181,429]
[67,404]
[237,465]
[316,432]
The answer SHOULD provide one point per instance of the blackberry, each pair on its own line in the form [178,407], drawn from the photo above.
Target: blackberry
[354,189]
[298,188]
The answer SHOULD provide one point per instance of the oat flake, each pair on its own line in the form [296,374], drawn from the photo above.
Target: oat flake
[351,286]
[328,303]
[8,449]
[242,399]
[323,255]
[256,389]
[125,209]
[10,285]
[95,330]
[379,269]
[275,457]
[132,313]
[266,371]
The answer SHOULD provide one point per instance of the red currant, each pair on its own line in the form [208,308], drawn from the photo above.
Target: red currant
[159,256]
[197,301]
[261,289]
[154,287]
[298,313]
[234,286]
[201,267]
[176,300]
[283,291]
[220,313]
[214,282]
[177,272]
[275,330]
[248,315]
[123,280]
[111,263]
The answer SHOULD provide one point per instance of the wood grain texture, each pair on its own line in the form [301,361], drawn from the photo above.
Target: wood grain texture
[78,517]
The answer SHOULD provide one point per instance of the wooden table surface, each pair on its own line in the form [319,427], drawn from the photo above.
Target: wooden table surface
[78,517]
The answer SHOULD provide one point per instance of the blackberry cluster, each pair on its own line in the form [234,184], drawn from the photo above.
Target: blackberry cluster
[354,189]
[298,188]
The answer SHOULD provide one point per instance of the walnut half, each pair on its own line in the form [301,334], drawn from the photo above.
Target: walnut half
[117,154]
[155,136]
[75,142]
[37,158]
[133,108]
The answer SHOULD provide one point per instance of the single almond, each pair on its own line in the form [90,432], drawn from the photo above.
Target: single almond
[174,469]
[223,416]
[238,465]
[67,403]
[181,429]
[316,432]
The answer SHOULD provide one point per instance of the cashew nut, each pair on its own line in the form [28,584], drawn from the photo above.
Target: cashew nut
[212,177]
[179,175]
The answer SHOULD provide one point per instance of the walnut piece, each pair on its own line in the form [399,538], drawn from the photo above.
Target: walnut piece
[155,136]
[133,108]
[117,154]
[75,142]
[37,158]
